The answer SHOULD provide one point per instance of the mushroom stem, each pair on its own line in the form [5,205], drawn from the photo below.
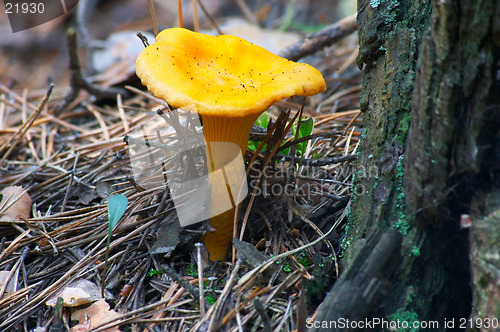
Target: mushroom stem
[235,130]
[229,129]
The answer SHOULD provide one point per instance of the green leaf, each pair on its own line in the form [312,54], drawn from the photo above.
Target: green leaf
[117,205]
[210,299]
[192,270]
[154,272]
[305,129]
[262,121]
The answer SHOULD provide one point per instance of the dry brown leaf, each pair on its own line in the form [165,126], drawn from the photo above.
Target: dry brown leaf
[76,294]
[97,314]
[15,203]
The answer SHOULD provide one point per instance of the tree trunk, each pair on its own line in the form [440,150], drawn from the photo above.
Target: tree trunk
[430,156]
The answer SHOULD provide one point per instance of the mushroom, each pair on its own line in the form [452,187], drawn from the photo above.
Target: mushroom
[230,82]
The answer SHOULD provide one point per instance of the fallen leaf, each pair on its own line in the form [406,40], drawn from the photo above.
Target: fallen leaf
[93,316]
[15,203]
[12,285]
[127,222]
[85,195]
[76,294]
[167,239]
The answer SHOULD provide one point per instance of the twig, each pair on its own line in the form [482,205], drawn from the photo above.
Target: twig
[212,313]
[321,39]
[263,315]
[152,13]
[121,111]
[14,139]
[246,11]
[272,154]
[210,18]
[200,277]
[195,16]
[17,295]
[310,137]
[76,271]
[248,277]
[316,229]
[137,313]
[70,183]
[83,12]
[347,127]
[78,82]
[179,13]
[293,147]
[13,270]
[256,292]
[223,298]
[321,162]
[301,312]
[180,280]
[144,41]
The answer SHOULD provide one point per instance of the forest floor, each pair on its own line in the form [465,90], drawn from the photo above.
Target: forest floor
[63,147]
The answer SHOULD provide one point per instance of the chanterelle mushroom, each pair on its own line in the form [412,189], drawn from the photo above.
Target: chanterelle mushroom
[230,82]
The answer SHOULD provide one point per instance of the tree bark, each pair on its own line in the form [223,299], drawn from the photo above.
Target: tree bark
[430,155]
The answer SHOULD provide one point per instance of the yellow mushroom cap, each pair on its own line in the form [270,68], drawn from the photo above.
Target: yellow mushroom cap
[223,75]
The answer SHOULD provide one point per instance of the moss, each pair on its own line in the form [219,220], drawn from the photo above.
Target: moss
[391,12]
[404,125]
[408,316]
[405,314]
[363,134]
[346,242]
[402,225]
[390,38]
[375,3]
[315,288]
[400,207]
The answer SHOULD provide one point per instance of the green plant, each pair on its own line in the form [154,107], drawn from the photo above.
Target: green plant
[262,121]
[406,314]
[117,205]
[303,260]
[209,298]
[304,129]
[192,270]
[154,272]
